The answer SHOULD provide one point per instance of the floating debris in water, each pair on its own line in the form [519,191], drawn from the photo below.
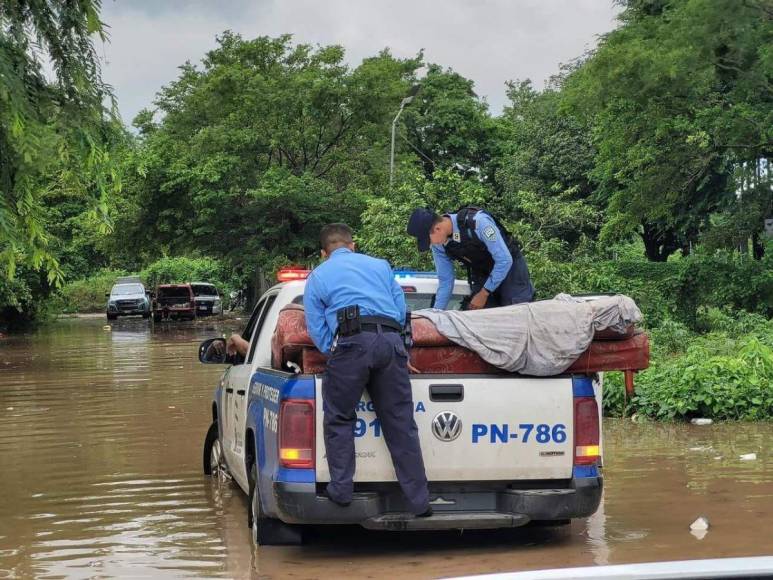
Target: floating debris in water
[700,523]
[748,457]
[107,327]
[701,421]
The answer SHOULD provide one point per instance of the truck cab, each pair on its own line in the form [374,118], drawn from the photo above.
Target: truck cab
[500,449]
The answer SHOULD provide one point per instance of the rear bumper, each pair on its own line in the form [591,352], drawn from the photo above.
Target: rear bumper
[208,309]
[299,503]
[167,312]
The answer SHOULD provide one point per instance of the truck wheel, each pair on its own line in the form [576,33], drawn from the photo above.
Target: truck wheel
[111,316]
[268,531]
[146,315]
[214,464]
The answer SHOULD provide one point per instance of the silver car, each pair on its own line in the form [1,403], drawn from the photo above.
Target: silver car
[128,298]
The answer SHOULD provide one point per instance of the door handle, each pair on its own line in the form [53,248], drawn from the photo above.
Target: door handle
[229,390]
[446,393]
[240,392]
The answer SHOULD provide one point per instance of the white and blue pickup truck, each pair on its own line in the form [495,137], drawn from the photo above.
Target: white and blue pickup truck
[500,450]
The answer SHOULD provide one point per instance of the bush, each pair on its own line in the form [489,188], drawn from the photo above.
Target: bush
[86,295]
[680,290]
[704,383]
[722,375]
[180,270]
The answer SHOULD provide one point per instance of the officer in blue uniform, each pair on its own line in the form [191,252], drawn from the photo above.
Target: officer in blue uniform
[496,269]
[355,311]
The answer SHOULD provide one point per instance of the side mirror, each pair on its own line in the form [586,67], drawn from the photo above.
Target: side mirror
[212,352]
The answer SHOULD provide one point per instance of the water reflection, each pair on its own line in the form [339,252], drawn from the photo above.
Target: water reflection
[100,455]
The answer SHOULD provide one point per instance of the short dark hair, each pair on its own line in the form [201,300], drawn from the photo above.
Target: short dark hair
[333,236]
[436,219]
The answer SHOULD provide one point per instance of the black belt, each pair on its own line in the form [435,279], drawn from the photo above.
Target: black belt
[366,327]
[372,323]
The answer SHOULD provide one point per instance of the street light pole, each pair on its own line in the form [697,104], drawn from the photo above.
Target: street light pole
[405,101]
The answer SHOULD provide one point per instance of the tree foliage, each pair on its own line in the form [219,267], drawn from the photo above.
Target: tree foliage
[448,126]
[54,132]
[260,147]
[679,96]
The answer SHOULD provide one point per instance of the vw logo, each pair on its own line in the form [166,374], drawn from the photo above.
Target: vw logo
[446,426]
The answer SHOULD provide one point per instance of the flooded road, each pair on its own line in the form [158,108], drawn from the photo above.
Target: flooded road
[100,475]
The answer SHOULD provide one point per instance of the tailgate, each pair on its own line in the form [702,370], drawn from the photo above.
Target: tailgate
[473,429]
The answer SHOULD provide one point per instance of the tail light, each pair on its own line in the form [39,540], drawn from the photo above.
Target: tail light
[296,433]
[586,431]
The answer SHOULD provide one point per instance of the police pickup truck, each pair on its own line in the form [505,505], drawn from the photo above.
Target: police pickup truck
[500,450]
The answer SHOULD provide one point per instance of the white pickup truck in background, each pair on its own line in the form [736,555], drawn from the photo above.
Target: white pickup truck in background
[500,450]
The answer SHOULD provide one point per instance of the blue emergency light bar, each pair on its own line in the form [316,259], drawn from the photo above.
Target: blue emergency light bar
[414,274]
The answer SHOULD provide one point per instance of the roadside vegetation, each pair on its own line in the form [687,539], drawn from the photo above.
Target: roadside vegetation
[88,294]
[643,167]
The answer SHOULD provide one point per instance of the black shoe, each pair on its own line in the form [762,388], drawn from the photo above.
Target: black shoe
[425,514]
[335,501]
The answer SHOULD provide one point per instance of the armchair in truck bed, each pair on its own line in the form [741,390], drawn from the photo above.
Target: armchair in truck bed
[433,353]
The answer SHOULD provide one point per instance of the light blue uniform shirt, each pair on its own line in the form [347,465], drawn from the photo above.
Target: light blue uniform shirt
[346,279]
[487,232]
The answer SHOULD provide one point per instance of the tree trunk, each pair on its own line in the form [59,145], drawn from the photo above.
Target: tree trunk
[758,247]
[658,245]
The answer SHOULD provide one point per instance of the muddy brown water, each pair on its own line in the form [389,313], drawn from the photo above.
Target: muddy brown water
[100,475]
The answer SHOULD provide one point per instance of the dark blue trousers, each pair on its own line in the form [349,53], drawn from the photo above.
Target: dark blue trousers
[514,289]
[376,361]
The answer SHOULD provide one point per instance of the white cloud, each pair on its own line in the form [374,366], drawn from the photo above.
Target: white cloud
[489,41]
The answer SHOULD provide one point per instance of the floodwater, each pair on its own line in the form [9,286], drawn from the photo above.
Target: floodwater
[100,475]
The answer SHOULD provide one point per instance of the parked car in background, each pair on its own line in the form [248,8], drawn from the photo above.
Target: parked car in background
[207,299]
[128,297]
[174,301]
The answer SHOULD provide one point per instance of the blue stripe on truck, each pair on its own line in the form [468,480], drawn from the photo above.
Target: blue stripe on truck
[290,388]
[295,475]
[580,471]
[300,388]
[582,386]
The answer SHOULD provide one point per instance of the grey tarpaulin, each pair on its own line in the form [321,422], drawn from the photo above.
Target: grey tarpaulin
[541,338]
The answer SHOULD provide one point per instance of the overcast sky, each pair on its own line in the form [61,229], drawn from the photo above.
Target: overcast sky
[488,41]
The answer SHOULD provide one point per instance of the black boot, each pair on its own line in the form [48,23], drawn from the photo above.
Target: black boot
[425,514]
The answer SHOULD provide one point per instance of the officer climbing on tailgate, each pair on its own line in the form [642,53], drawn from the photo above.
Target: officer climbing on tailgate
[496,268]
[355,311]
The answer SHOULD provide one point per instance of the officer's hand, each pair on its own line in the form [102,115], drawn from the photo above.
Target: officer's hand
[412,368]
[479,300]
[236,345]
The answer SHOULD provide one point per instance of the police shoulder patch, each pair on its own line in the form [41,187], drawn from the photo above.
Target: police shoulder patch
[490,233]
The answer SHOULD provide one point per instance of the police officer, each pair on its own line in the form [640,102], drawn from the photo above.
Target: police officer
[355,311]
[496,269]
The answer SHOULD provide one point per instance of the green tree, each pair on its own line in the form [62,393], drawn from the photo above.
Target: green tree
[54,134]
[680,96]
[543,171]
[447,125]
[259,147]
[51,133]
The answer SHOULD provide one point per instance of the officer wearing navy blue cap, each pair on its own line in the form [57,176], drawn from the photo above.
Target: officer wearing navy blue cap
[355,311]
[496,269]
